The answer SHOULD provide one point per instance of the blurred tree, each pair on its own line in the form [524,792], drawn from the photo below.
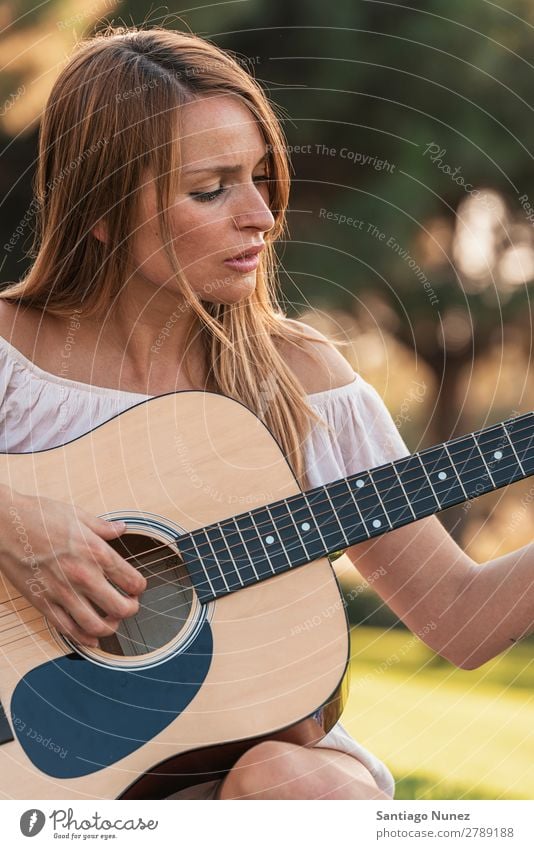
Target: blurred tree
[409,130]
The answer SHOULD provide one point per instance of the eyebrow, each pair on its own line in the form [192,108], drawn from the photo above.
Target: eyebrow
[222,169]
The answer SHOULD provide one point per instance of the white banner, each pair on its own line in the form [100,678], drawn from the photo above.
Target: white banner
[359,824]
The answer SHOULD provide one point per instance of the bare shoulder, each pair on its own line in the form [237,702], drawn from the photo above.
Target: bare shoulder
[316,362]
[21,327]
[10,320]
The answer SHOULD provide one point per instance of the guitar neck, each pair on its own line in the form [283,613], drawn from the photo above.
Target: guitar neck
[251,547]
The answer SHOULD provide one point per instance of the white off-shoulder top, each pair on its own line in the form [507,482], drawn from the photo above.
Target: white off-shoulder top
[39,410]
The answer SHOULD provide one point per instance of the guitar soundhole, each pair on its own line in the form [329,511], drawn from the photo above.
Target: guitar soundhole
[167,604]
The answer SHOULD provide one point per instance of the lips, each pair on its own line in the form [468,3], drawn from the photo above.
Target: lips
[254,250]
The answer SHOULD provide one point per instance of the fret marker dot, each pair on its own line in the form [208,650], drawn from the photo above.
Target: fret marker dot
[269,540]
[498,455]
[359,483]
[305,526]
[376,523]
[442,476]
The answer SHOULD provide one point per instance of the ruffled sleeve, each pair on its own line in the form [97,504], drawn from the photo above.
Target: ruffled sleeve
[362,433]
[40,410]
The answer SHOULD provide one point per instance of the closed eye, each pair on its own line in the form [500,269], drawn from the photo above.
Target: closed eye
[204,197]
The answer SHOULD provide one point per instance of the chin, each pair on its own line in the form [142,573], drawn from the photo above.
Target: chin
[231,293]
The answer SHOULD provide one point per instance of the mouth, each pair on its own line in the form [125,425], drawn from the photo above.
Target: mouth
[254,250]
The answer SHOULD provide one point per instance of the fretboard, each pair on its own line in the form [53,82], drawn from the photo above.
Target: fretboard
[226,556]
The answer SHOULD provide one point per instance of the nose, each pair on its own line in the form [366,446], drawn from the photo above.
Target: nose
[252,211]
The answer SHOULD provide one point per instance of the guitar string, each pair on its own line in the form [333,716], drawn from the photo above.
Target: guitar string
[362,499]
[171,556]
[175,586]
[157,574]
[319,502]
[145,619]
[40,615]
[299,495]
[288,501]
[145,607]
[34,633]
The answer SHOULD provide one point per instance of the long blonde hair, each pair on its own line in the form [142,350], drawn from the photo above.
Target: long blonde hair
[111,114]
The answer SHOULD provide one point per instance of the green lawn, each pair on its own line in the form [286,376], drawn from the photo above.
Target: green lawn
[445,733]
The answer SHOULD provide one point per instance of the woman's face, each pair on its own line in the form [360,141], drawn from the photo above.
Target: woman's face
[221,208]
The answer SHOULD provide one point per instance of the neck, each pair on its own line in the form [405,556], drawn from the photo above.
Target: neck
[149,330]
[253,546]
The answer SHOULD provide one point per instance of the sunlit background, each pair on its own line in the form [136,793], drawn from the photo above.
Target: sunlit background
[415,123]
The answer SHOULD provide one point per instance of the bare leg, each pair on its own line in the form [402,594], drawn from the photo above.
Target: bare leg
[275,770]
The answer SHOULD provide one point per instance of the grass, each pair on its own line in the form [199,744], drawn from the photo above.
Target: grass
[423,787]
[445,733]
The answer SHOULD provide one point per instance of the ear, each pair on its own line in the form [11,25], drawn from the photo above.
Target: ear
[100,231]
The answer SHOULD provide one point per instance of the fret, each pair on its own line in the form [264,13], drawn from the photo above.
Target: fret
[275,540]
[469,465]
[422,465]
[252,535]
[228,537]
[513,449]
[416,485]
[313,516]
[309,534]
[483,459]
[217,560]
[227,542]
[394,498]
[207,586]
[225,556]
[466,497]
[348,511]
[524,441]
[443,476]
[499,454]
[336,514]
[250,559]
[328,523]
[269,540]
[209,563]
[286,524]
[371,477]
[371,510]
[246,570]
[393,466]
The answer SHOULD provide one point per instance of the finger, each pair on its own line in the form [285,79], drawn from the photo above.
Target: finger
[114,567]
[65,624]
[84,614]
[110,600]
[123,574]
[104,528]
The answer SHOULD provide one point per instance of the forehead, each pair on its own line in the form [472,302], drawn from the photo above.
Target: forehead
[218,126]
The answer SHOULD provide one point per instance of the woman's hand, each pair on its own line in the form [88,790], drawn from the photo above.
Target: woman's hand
[57,557]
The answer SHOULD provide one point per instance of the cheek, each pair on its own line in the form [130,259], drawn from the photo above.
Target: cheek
[199,236]
[148,253]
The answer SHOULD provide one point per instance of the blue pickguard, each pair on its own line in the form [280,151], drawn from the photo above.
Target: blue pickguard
[73,718]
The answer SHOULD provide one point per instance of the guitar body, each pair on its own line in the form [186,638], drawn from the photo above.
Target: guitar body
[176,703]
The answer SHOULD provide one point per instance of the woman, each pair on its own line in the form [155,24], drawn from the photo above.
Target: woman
[160,162]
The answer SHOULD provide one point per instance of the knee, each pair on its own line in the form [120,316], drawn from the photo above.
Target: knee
[277,770]
[261,770]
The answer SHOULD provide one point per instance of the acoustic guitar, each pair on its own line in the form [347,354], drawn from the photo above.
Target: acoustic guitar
[219,656]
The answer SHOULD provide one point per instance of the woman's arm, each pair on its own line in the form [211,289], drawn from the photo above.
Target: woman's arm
[466,611]
[57,557]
